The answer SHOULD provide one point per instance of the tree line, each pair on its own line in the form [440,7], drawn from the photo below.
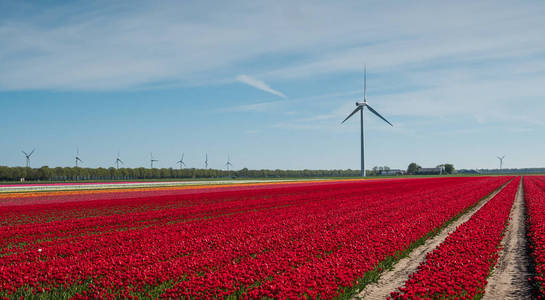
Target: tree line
[76,173]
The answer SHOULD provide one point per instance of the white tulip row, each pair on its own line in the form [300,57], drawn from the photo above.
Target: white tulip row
[100,186]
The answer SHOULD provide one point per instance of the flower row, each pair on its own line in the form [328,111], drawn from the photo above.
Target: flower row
[534,196]
[458,268]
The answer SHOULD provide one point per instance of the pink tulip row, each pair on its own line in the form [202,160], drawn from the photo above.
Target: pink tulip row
[534,196]
[459,267]
[282,242]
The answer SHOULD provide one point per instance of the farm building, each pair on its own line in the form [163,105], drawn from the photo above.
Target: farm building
[392,172]
[429,171]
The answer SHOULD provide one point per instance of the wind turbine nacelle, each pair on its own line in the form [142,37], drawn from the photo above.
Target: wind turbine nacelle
[361,103]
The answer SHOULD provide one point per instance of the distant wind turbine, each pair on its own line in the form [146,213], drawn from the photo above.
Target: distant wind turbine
[77,157]
[152,160]
[118,160]
[206,161]
[501,161]
[228,163]
[360,106]
[28,155]
[181,162]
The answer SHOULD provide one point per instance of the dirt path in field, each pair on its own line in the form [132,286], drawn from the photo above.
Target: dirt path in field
[509,279]
[390,280]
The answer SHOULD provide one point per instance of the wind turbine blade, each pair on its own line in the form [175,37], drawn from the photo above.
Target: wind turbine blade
[25,153]
[121,161]
[32,152]
[350,115]
[378,115]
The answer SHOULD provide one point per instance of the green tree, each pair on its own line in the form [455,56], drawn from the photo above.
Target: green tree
[449,168]
[413,168]
[44,173]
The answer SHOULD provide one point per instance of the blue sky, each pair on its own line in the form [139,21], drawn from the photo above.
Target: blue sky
[270,82]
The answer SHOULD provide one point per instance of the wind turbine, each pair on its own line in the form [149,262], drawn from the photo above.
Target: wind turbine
[228,163]
[28,155]
[152,160]
[501,161]
[206,162]
[118,160]
[77,157]
[360,106]
[181,162]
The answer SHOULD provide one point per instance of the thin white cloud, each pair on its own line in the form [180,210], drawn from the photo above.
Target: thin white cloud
[254,107]
[98,47]
[260,85]
[268,106]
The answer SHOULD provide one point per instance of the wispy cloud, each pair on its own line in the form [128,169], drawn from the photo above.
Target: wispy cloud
[101,47]
[260,85]
[254,107]
[291,104]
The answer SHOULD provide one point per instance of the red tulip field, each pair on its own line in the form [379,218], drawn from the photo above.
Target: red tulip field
[306,240]
[534,188]
[458,268]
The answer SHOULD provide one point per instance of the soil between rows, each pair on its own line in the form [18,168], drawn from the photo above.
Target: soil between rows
[392,279]
[509,279]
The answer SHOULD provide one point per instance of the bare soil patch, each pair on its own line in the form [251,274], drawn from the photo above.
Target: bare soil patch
[509,279]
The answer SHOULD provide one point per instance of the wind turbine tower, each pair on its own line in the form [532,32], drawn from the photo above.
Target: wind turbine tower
[500,158]
[181,162]
[228,163]
[77,157]
[28,155]
[206,161]
[360,106]
[152,160]
[118,160]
